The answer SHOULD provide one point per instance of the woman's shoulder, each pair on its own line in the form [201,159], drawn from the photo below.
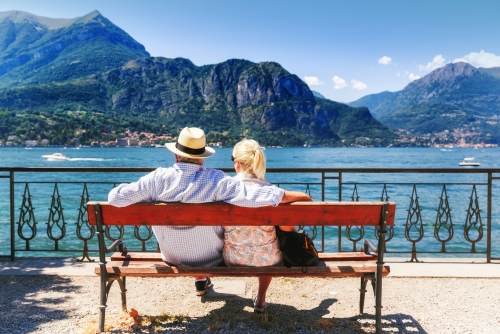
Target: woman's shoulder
[251,180]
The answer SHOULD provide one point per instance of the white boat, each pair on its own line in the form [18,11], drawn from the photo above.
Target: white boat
[469,162]
[55,156]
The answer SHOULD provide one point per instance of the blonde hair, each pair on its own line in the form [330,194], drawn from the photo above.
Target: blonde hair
[249,154]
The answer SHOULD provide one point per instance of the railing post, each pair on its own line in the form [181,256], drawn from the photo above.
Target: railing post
[339,249]
[488,218]
[322,186]
[322,200]
[12,217]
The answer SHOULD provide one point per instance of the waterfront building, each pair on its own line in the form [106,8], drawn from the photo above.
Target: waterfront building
[122,142]
[31,143]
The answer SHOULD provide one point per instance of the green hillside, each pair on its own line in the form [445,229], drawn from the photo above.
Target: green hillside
[36,50]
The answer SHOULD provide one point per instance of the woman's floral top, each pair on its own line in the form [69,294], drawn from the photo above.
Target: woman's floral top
[251,246]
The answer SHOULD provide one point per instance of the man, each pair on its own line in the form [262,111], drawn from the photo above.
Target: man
[189,182]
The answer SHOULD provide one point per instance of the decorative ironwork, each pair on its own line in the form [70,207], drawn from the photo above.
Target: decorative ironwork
[83,223]
[443,227]
[137,234]
[351,231]
[414,224]
[27,218]
[390,229]
[119,229]
[473,222]
[308,189]
[355,196]
[56,222]
[385,196]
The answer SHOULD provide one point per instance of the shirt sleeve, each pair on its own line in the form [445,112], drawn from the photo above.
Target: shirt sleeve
[238,193]
[135,192]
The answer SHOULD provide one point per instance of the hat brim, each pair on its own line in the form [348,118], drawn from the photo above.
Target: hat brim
[208,151]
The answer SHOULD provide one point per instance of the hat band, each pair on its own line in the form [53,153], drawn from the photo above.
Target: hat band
[189,150]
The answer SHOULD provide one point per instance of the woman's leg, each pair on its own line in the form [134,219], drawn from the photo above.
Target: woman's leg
[264,282]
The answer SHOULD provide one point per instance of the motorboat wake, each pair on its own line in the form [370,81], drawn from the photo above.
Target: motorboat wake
[55,156]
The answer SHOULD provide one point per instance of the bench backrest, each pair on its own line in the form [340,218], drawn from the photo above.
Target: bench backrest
[213,214]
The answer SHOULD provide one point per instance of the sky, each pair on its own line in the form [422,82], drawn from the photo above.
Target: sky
[341,49]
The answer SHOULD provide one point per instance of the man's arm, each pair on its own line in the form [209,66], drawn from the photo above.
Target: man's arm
[295,196]
[135,192]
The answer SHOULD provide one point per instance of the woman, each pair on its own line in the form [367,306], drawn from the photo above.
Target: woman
[253,246]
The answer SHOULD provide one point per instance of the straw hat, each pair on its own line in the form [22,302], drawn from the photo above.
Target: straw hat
[191,144]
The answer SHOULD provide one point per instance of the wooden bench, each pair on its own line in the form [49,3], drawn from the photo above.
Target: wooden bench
[367,264]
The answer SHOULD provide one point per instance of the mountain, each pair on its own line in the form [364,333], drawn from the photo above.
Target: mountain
[86,78]
[457,98]
[372,101]
[35,49]
[230,100]
[318,94]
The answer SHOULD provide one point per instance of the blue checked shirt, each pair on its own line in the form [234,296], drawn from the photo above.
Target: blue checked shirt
[189,183]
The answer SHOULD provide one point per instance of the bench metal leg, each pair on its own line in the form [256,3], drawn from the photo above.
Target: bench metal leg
[103,300]
[362,290]
[122,283]
[377,285]
[105,287]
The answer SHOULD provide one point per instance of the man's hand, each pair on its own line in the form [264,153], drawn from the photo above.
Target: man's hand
[295,196]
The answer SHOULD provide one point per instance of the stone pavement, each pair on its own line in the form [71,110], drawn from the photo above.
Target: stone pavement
[48,295]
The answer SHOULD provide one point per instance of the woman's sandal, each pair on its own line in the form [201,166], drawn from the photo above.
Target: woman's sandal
[258,309]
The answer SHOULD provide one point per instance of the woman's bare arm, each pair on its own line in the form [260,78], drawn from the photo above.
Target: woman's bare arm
[295,196]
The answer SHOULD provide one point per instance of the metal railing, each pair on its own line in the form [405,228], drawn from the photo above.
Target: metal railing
[429,203]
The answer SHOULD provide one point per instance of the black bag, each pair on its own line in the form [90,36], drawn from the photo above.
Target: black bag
[297,248]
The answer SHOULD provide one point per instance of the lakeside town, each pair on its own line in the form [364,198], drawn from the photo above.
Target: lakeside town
[159,141]
[445,139]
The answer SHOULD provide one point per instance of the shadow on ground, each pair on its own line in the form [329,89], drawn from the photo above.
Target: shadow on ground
[278,318]
[22,310]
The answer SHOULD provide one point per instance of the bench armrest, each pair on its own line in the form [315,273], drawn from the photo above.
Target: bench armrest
[118,243]
[369,246]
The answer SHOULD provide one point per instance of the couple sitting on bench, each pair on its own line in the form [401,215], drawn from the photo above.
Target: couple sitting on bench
[189,182]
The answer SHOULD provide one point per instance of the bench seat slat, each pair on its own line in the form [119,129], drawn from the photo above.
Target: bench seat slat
[161,269]
[348,256]
[214,214]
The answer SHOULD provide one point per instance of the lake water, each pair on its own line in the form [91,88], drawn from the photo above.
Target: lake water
[276,157]
[369,186]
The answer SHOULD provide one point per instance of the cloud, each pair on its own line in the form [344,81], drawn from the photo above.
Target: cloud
[385,60]
[358,85]
[398,74]
[339,83]
[436,62]
[480,59]
[413,77]
[313,81]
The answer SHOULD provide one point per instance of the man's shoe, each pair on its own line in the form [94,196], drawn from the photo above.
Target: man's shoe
[202,286]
